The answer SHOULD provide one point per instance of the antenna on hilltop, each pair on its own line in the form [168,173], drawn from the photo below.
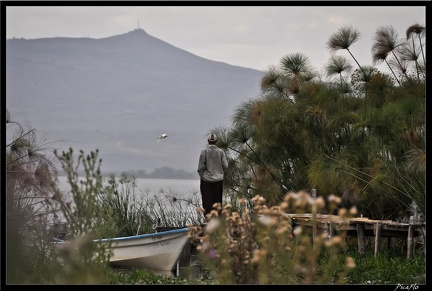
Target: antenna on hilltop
[138,27]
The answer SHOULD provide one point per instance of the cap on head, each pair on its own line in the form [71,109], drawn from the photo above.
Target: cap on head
[212,137]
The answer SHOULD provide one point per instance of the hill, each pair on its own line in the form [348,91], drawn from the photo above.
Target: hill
[118,94]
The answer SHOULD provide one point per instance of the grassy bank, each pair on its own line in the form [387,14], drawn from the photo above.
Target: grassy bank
[388,268]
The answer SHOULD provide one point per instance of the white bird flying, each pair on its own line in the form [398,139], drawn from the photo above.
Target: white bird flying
[162,136]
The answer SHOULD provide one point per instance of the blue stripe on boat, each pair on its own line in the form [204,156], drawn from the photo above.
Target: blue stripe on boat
[180,230]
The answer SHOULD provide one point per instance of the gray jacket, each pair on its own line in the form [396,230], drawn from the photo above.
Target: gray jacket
[212,164]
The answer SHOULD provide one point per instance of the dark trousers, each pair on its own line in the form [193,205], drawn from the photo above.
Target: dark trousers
[211,193]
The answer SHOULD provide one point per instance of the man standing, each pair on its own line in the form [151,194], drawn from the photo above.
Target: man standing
[211,168]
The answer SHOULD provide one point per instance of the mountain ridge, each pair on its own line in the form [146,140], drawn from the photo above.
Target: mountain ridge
[117,94]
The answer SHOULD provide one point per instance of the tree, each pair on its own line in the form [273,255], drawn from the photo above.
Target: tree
[343,39]
[296,69]
[420,31]
[31,178]
[359,149]
[386,42]
[338,65]
[410,53]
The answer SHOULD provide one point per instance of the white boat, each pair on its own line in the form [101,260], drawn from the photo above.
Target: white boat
[159,251]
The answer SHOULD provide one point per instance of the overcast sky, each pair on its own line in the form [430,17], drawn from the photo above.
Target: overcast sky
[255,36]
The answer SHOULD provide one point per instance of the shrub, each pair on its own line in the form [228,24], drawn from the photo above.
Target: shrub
[260,245]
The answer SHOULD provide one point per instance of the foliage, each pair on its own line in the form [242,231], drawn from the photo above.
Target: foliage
[261,246]
[365,136]
[30,178]
[82,207]
[82,210]
[128,212]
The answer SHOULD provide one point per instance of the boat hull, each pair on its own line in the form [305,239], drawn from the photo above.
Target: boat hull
[158,251]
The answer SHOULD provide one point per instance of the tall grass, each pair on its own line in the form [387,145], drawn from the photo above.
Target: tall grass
[139,211]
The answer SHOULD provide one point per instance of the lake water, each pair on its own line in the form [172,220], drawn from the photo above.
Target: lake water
[180,187]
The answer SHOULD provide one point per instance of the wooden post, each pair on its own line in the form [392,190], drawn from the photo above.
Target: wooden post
[326,229]
[360,238]
[314,220]
[331,230]
[378,227]
[314,230]
[410,238]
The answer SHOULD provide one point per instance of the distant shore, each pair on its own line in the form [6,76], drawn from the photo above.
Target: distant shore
[159,173]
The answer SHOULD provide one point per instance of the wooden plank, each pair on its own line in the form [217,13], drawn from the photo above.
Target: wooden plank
[361,227]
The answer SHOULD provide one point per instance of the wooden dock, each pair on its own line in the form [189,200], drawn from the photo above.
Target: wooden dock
[362,227]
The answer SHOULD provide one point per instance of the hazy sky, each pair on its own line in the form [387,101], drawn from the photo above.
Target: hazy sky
[254,36]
